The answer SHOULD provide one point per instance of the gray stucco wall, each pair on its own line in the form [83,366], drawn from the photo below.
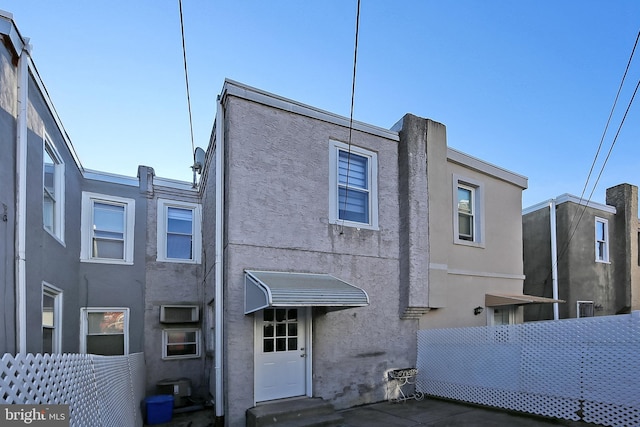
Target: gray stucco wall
[117,285]
[277,219]
[171,283]
[609,285]
[8,112]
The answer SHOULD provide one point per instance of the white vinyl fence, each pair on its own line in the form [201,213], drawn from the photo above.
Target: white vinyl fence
[101,391]
[576,369]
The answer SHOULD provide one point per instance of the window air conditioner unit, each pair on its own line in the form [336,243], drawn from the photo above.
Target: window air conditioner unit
[179,313]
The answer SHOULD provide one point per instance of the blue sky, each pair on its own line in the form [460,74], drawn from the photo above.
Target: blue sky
[526,85]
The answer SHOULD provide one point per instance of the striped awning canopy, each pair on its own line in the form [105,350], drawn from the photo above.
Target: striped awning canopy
[264,289]
[496,300]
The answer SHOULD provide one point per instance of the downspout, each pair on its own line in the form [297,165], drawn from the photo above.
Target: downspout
[554,255]
[219,271]
[21,200]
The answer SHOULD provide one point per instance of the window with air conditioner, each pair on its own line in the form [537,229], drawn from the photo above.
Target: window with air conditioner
[179,313]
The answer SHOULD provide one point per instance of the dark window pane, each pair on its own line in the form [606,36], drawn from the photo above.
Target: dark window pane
[281,344]
[293,329]
[182,350]
[267,345]
[47,340]
[268,331]
[268,315]
[281,330]
[293,343]
[281,314]
[106,345]
[293,314]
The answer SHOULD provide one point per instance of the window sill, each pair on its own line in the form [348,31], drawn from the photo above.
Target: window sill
[181,357]
[469,243]
[351,224]
[56,237]
[179,261]
[106,261]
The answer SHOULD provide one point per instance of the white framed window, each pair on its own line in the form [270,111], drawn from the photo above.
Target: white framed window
[52,190]
[468,211]
[181,343]
[107,226]
[353,186]
[584,309]
[602,240]
[51,319]
[179,231]
[104,331]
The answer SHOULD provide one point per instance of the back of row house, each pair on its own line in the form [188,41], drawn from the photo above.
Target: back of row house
[597,271]
[89,259]
[312,208]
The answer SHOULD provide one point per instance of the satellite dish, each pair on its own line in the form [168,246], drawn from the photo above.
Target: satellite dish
[198,160]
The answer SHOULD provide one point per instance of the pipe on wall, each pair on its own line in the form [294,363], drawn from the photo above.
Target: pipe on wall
[219,272]
[21,200]
[554,255]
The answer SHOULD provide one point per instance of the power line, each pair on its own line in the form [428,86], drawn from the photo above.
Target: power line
[565,247]
[353,92]
[186,78]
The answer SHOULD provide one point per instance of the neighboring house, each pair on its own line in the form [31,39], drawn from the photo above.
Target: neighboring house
[596,246]
[90,259]
[333,247]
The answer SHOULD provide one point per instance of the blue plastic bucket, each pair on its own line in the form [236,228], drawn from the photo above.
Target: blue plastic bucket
[159,408]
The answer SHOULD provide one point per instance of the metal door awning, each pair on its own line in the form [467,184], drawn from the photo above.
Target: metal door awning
[264,289]
[496,300]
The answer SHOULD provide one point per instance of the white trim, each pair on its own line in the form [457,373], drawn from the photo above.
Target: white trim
[56,294]
[84,311]
[565,198]
[165,343]
[86,224]
[578,309]
[196,231]
[372,175]
[478,165]
[478,211]
[58,231]
[606,259]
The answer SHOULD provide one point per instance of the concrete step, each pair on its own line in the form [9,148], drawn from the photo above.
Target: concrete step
[305,412]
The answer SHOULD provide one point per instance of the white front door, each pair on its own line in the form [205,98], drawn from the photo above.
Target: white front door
[280,353]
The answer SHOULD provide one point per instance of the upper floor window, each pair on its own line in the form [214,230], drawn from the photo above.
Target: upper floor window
[107,228]
[52,190]
[468,211]
[179,235]
[602,240]
[353,176]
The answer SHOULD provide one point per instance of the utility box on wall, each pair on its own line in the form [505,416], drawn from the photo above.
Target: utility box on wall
[180,388]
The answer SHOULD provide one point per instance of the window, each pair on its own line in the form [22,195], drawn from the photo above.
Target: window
[468,211]
[503,315]
[602,240]
[52,190]
[584,308]
[105,331]
[180,343]
[51,319]
[107,228]
[179,236]
[353,173]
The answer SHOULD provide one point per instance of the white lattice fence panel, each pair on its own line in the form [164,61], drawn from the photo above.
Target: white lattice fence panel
[74,379]
[578,369]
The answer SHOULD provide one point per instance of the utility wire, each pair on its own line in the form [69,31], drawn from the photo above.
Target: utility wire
[573,230]
[353,92]
[186,78]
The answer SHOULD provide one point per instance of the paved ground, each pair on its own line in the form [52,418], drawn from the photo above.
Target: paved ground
[426,413]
